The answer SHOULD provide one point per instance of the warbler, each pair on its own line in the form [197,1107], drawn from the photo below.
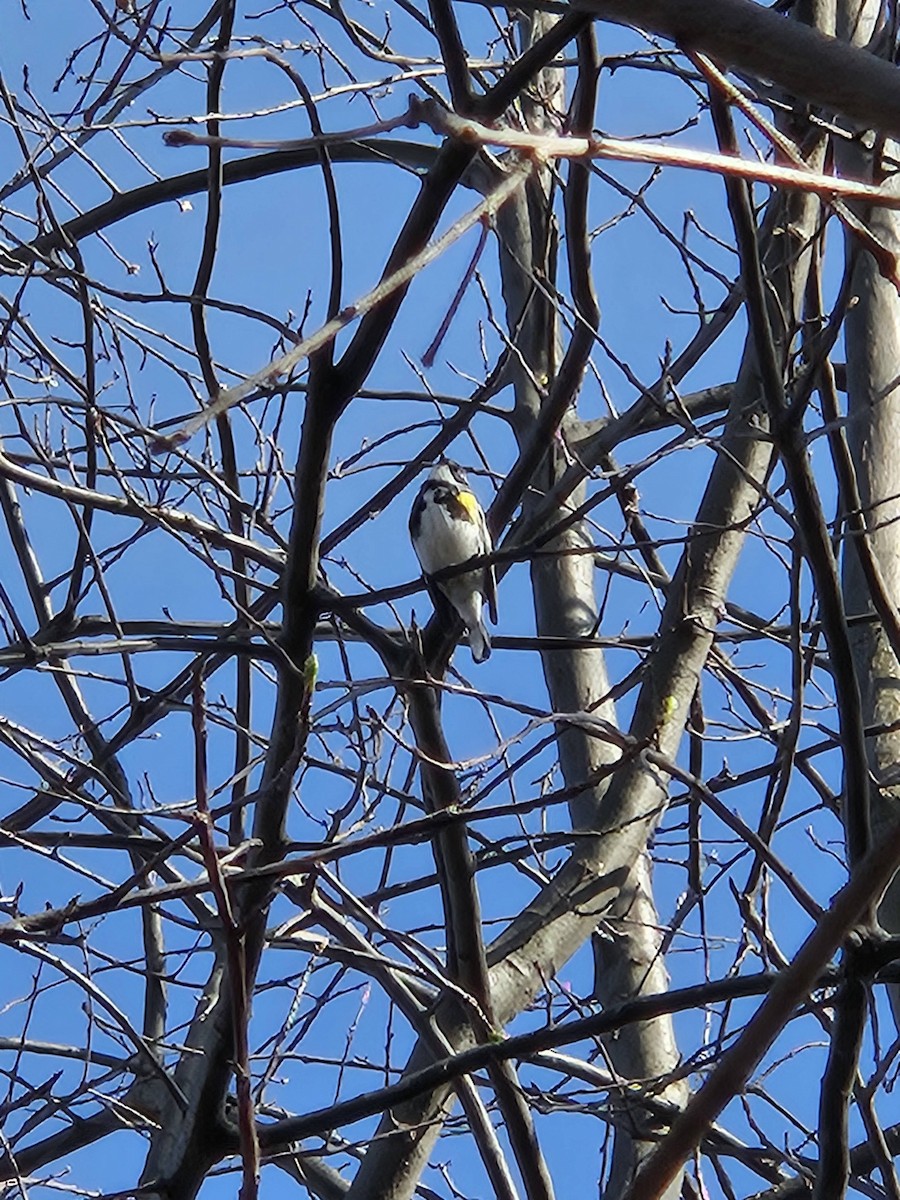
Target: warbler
[447,528]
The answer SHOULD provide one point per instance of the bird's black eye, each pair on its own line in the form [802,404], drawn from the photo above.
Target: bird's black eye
[457,472]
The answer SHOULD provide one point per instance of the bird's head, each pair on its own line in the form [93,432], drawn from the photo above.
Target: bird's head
[445,471]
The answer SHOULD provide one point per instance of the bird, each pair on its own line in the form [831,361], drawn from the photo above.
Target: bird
[447,527]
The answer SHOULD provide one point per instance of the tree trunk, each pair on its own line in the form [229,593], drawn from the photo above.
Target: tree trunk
[872,336]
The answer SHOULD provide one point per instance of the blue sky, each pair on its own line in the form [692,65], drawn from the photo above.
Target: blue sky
[273,256]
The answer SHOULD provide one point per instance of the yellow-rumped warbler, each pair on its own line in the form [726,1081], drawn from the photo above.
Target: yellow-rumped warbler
[447,527]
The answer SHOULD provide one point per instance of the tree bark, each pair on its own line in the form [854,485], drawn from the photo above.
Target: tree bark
[872,333]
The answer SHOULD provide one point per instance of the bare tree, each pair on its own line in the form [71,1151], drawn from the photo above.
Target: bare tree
[290,891]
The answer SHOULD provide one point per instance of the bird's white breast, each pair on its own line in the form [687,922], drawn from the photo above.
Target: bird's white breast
[443,541]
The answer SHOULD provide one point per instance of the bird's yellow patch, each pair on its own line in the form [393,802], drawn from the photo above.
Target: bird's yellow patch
[469,503]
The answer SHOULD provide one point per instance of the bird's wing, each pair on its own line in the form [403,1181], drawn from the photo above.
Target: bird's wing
[490,575]
[490,592]
[415,517]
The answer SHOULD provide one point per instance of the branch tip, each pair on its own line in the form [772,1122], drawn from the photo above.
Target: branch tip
[179,137]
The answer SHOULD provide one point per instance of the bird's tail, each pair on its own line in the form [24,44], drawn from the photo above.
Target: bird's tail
[479,641]
[467,601]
